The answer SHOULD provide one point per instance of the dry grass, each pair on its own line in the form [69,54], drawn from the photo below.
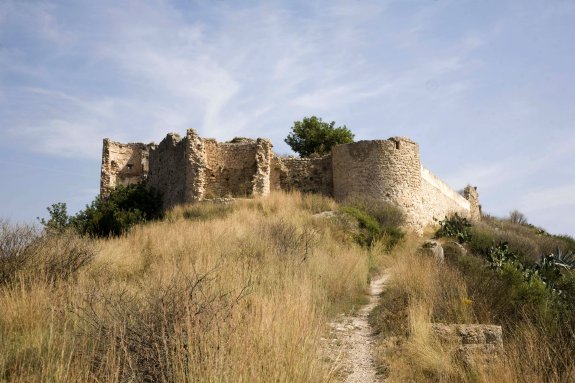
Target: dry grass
[240,294]
[421,291]
[532,356]
[527,241]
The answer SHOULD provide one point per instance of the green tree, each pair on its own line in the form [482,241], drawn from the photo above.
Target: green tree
[109,215]
[313,136]
[59,219]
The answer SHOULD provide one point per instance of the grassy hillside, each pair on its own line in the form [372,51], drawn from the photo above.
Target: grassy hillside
[244,292]
[495,272]
[213,293]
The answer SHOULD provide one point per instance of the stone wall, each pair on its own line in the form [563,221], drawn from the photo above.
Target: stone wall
[122,164]
[388,170]
[308,175]
[230,168]
[193,169]
[439,200]
[168,169]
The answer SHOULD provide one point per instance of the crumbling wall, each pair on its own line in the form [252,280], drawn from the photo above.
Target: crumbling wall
[168,169]
[192,169]
[195,167]
[230,168]
[308,175]
[261,183]
[439,200]
[470,193]
[388,170]
[122,164]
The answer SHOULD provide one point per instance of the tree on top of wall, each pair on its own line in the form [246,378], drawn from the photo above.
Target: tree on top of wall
[314,136]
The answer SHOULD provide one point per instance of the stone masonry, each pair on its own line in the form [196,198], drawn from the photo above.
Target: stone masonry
[192,169]
[478,346]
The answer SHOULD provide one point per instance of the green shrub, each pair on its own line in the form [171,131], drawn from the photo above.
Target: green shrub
[521,240]
[566,286]
[370,229]
[109,215]
[482,238]
[504,292]
[527,295]
[59,220]
[387,214]
[391,235]
[455,226]
[499,255]
[509,284]
[379,227]
[114,214]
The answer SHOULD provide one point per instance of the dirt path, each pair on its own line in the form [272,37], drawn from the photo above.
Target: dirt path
[351,344]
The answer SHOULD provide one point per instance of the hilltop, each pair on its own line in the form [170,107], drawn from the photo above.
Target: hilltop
[246,290]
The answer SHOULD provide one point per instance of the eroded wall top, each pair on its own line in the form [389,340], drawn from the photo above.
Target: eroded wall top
[123,164]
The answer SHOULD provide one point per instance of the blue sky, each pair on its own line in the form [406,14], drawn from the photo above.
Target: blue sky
[487,88]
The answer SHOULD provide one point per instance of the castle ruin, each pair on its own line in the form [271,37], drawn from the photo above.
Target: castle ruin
[193,169]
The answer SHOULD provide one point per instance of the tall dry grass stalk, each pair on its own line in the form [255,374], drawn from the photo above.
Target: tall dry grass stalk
[531,355]
[240,293]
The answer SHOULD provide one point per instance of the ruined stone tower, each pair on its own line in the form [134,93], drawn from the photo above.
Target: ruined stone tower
[389,170]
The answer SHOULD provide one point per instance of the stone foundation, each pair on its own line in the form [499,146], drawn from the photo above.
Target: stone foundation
[476,345]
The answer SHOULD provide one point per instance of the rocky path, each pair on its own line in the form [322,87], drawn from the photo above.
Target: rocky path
[351,343]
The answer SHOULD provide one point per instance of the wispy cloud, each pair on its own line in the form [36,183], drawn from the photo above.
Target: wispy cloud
[485,89]
[548,198]
[165,70]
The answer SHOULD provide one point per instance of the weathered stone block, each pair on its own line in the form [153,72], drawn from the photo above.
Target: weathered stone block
[476,345]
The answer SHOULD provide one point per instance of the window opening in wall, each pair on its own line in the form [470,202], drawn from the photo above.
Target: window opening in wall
[397,145]
[129,166]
